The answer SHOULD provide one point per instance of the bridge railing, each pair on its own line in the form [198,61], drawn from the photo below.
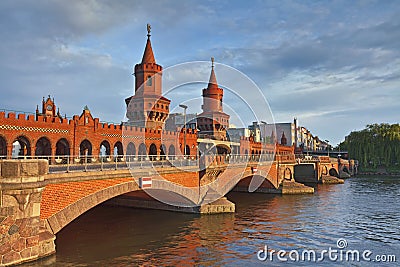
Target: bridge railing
[69,163]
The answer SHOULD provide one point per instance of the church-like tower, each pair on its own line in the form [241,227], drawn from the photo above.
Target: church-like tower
[213,122]
[148,108]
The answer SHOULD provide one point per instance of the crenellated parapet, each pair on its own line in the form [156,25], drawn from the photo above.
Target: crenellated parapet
[85,135]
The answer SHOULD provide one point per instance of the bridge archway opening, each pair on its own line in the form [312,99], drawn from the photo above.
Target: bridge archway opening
[142,152]
[163,151]
[171,152]
[3,147]
[62,147]
[287,174]
[21,147]
[130,151]
[223,150]
[43,147]
[187,150]
[118,149]
[243,184]
[324,170]
[105,149]
[333,172]
[153,152]
[85,148]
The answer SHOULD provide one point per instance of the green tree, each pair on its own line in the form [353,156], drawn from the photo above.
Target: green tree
[376,145]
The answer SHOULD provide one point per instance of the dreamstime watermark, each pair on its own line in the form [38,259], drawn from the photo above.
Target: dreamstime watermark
[340,253]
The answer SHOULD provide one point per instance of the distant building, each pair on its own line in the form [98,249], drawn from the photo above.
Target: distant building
[271,133]
[176,120]
[235,134]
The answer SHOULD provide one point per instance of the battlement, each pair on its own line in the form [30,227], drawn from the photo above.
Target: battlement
[147,67]
[14,117]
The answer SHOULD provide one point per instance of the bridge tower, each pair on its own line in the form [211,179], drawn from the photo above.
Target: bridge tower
[147,107]
[213,122]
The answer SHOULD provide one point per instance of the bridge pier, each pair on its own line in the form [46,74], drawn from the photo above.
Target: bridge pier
[23,236]
[140,199]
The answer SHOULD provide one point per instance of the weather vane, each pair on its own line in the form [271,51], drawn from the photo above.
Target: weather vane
[212,62]
[148,29]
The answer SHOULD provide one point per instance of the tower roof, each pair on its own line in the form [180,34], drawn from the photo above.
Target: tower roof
[212,83]
[148,56]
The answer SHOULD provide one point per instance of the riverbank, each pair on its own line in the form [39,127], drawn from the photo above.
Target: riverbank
[394,174]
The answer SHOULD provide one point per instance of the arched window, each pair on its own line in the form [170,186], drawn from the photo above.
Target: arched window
[105,149]
[21,147]
[3,147]
[62,147]
[153,152]
[43,147]
[85,148]
[171,152]
[149,81]
[142,152]
[130,151]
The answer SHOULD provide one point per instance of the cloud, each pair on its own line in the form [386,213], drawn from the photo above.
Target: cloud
[337,58]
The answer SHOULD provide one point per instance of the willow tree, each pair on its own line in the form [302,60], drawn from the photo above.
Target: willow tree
[376,145]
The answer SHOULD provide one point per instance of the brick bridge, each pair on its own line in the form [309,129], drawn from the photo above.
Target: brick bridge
[38,201]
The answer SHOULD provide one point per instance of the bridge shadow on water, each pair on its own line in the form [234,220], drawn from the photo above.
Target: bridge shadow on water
[118,236]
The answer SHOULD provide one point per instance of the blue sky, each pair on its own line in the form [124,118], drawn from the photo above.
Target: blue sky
[335,65]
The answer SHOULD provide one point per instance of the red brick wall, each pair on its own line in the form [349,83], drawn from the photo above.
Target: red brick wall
[80,128]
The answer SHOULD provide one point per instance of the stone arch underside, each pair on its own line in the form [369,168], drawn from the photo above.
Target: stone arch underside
[232,177]
[62,215]
[258,181]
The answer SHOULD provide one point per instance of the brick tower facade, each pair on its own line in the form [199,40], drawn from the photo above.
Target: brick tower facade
[148,108]
[213,122]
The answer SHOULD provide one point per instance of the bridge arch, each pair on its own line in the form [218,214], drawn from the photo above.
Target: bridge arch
[142,152]
[43,147]
[171,151]
[62,147]
[69,213]
[85,148]
[333,172]
[3,147]
[163,151]
[187,150]
[105,148]
[324,170]
[265,182]
[153,151]
[23,146]
[223,149]
[287,174]
[130,151]
[118,149]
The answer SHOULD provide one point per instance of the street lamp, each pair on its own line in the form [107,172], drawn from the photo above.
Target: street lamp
[327,142]
[184,127]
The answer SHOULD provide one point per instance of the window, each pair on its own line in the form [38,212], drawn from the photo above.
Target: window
[149,81]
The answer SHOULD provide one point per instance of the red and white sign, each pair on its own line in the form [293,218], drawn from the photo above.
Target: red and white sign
[254,169]
[145,182]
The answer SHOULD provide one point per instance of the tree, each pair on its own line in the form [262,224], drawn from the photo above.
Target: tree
[376,145]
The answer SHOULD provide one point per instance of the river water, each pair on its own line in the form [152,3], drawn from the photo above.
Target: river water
[363,212]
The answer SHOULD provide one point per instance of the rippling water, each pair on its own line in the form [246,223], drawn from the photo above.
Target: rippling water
[363,211]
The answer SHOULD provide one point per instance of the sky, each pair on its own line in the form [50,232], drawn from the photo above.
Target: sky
[334,65]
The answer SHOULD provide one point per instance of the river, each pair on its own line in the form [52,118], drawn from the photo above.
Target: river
[362,213]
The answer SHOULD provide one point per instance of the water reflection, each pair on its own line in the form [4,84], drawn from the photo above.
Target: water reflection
[364,211]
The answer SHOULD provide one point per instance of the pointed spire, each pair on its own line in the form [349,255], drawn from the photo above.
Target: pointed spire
[283,139]
[148,56]
[213,79]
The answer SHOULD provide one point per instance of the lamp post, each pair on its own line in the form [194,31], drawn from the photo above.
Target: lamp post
[327,142]
[184,127]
